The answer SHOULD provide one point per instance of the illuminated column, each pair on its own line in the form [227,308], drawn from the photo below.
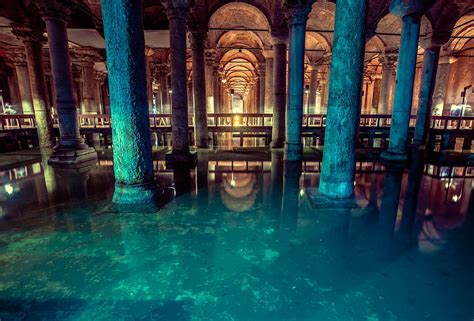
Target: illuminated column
[19,60]
[178,12]
[100,77]
[268,54]
[441,86]
[327,78]
[32,39]
[210,58]
[71,149]
[162,76]
[125,47]
[279,91]
[198,39]
[313,88]
[375,95]
[216,84]
[149,78]
[411,13]
[262,79]
[298,15]
[388,61]
[430,64]
[87,57]
[338,167]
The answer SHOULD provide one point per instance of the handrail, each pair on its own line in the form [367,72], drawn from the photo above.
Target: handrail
[257,120]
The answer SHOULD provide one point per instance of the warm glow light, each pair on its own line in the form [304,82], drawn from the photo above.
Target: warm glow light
[456,198]
[302,192]
[236,120]
[8,189]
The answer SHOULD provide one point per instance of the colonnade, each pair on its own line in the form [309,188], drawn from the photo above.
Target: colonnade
[130,91]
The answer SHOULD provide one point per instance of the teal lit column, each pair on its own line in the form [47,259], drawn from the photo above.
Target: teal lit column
[199,87]
[125,47]
[338,167]
[430,65]
[279,91]
[298,15]
[71,149]
[411,12]
[178,12]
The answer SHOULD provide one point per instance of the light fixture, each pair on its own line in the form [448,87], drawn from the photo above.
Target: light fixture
[9,189]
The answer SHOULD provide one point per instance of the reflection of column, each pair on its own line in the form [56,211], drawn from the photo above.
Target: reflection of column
[277,181]
[313,88]
[298,15]
[125,46]
[338,168]
[441,86]
[34,54]
[291,192]
[388,64]
[411,19]
[71,149]
[19,60]
[279,91]
[268,81]
[199,82]
[182,181]
[430,63]
[178,13]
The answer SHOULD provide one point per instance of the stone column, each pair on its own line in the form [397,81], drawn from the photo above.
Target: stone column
[342,123]
[125,47]
[441,86]
[162,75]
[71,149]
[411,13]
[32,39]
[190,97]
[149,78]
[210,58]
[388,61]
[298,15]
[21,67]
[198,39]
[313,88]
[279,90]
[215,85]
[268,81]
[262,80]
[87,57]
[375,96]
[430,64]
[327,78]
[100,77]
[178,12]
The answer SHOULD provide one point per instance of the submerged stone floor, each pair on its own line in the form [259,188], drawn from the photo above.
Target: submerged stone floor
[236,241]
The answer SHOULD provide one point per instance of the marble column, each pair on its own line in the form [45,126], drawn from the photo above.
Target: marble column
[198,39]
[149,78]
[375,96]
[269,76]
[71,149]
[87,57]
[313,88]
[411,19]
[162,75]
[100,77]
[216,91]
[327,78]
[441,86]
[32,40]
[210,58]
[262,80]
[430,64]
[178,12]
[338,167]
[388,61]
[298,16]
[279,90]
[21,68]
[125,47]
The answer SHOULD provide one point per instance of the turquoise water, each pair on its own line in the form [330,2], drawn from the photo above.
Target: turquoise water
[237,241]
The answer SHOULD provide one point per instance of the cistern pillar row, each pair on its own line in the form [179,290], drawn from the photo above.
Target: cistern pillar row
[18,57]
[338,166]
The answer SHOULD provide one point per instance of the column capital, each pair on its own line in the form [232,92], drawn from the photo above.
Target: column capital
[403,8]
[178,9]
[100,76]
[56,9]
[28,34]
[389,58]
[268,54]
[297,11]
[161,69]
[279,38]
[85,56]
[198,39]
[17,56]
[210,56]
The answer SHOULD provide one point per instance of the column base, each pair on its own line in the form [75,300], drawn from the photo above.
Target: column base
[181,160]
[319,199]
[336,190]
[135,197]
[393,157]
[277,143]
[73,158]
[293,152]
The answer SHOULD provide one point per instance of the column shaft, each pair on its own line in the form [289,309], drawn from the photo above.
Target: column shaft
[430,64]
[313,88]
[298,18]
[262,80]
[24,87]
[338,167]
[199,84]
[89,89]
[384,101]
[279,95]
[404,88]
[268,85]
[125,46]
